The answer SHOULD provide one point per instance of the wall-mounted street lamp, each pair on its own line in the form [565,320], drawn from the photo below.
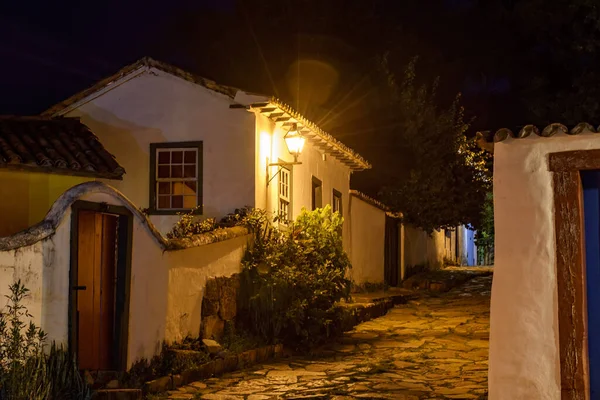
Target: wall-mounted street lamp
[294,142]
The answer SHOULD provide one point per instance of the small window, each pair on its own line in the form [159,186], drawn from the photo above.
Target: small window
[337,201]
[285,178]
[175,177]
[317,193]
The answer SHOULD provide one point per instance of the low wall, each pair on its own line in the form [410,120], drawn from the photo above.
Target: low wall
[168,277]
[367,240]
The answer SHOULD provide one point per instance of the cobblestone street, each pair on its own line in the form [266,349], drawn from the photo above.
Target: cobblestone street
[435,347]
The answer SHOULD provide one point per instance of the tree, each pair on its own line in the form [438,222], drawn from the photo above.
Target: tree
[443,180]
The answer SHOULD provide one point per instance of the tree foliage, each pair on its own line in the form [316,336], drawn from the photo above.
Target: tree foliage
[446,178]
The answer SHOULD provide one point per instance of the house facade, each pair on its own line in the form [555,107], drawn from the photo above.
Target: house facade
[187,142]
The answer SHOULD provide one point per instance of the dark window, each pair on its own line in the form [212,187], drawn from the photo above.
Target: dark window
[317,193]
[337,201]
[175,177]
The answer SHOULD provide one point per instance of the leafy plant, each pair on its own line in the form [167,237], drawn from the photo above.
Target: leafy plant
[191,223]
[292,278]
[25,371]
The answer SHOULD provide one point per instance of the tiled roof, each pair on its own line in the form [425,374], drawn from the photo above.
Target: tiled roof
[60,146]
[486,138]
[278,111]
[144,63]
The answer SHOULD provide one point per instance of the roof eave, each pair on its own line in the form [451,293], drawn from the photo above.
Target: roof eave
[280,112]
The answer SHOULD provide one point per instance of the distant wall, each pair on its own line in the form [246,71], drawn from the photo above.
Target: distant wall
[167,285]
[421,249]
[367,241]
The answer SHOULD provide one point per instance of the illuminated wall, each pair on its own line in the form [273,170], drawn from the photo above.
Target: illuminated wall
[26,197]
[156,107]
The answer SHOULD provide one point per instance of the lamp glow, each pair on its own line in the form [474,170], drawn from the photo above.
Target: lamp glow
[294,141]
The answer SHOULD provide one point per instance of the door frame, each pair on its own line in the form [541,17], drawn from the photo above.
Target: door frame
[566,170]
[124,250]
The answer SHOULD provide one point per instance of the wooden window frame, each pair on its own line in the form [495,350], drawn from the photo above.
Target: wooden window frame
[281,197]
[315,184]
[337,195]
[152,194]
[566,170]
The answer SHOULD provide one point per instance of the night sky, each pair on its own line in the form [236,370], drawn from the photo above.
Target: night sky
[514,61]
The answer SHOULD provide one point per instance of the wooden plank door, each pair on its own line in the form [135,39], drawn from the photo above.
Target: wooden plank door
[96,279]
[591,211]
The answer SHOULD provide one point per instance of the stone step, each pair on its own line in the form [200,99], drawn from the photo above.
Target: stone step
[119,394]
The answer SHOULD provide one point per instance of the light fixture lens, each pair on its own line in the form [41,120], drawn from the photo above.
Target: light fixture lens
[294,141]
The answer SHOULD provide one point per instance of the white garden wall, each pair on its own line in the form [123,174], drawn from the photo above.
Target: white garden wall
[166,285]
[524,357]
[367,241]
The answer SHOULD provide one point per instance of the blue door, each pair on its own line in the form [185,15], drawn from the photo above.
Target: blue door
[591,211]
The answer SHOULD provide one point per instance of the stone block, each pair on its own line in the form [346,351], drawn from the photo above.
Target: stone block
[278,349]
[177,381]
[231,363]
[228,303]
[158,385]
[212,346]
[212,327]
[118,394]
[209,307]
[211,290]
[219,366]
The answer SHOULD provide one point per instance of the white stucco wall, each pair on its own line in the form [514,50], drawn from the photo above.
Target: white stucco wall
[155,107]
[524,357]
[332,173]
[367,242]
[423,249]
[166,286]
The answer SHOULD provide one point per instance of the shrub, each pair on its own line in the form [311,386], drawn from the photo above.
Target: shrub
[192,224]
[26,373]
[293,277]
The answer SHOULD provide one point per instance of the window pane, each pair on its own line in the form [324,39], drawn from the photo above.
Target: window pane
[164,202]
[164,188]
[176,171]
[164,157]
[177,188]
[177,201]
[190,157]
[163,171]
[190,187]
[189,171]
[189,201]
[177,157]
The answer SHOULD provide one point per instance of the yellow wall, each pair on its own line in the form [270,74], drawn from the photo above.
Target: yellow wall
[26,197]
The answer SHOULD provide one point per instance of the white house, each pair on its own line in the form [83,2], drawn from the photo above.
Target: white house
[186,142]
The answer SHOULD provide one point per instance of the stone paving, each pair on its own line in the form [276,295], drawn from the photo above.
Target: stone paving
[435,347]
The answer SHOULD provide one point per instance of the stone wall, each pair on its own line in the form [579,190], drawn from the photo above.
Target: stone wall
[219,305]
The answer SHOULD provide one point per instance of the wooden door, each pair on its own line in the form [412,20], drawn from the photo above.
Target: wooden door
[591,211]
[96,282]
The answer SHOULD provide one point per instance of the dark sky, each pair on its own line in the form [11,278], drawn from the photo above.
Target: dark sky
[320,56]
[51,50]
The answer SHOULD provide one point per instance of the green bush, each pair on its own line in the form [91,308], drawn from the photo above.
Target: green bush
[26,372]
[292,278]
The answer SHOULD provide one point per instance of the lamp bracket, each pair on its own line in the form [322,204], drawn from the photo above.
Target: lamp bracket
[280,165]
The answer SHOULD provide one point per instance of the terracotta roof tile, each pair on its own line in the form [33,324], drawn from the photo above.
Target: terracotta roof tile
[54,145]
